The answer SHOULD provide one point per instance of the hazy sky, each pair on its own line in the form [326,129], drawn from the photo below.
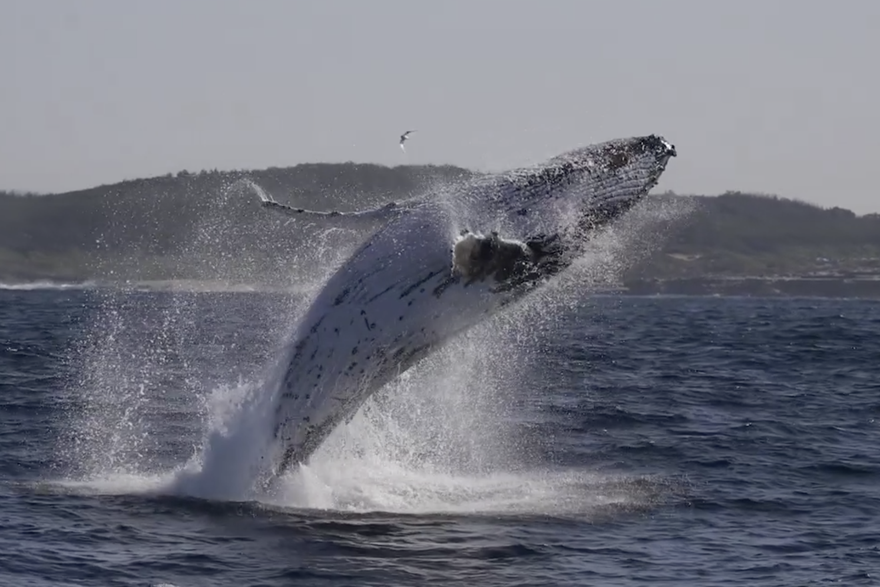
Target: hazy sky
[775,96]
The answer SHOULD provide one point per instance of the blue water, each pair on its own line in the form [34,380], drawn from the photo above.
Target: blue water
[623,441]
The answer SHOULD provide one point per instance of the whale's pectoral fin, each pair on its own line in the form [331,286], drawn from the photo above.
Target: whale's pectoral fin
[385,212]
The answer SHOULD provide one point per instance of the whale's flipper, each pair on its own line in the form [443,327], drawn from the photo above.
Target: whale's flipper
[382,213]
[385,212]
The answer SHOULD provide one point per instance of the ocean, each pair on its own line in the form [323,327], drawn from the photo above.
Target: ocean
[604,440]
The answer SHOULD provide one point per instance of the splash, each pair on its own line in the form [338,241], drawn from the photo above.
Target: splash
[148,360]
[443,439]
[156,406]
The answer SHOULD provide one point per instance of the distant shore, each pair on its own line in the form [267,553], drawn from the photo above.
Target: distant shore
[821,287]
[825,287]
[187,232]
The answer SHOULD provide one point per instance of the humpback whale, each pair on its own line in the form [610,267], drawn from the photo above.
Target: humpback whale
[438,266]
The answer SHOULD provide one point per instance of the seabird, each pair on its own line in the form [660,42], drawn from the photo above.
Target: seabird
[403,138]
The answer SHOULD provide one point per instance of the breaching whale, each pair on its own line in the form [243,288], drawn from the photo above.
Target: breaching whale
[437,267]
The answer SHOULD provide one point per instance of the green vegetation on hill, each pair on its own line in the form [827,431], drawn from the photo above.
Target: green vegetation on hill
[204,226]
[737,234]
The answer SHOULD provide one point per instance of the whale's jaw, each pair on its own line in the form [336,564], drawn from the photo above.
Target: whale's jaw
[412,287]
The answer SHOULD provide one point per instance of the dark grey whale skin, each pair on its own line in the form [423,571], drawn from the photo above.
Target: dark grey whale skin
[397,298]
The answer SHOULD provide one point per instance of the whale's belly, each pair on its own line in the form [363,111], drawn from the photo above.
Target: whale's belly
[383,311]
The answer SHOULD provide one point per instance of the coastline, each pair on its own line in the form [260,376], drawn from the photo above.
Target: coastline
[863,287]
[771,286]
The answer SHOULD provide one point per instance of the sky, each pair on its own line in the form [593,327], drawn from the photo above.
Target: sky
[769,96]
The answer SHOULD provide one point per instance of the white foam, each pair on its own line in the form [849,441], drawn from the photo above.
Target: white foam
[46,285]
[120,484]
[361,486]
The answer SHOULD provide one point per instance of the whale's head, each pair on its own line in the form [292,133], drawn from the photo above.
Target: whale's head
[543,214]
[590,185]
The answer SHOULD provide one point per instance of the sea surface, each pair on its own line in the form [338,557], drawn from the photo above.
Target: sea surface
[607,440]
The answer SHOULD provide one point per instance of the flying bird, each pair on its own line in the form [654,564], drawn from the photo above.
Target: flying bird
[403,138]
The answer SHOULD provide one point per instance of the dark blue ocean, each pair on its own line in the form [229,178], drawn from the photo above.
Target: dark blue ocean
[609,440]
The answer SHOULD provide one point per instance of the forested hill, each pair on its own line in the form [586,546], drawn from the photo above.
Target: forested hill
[203,226]
[159,214]
[738,234]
